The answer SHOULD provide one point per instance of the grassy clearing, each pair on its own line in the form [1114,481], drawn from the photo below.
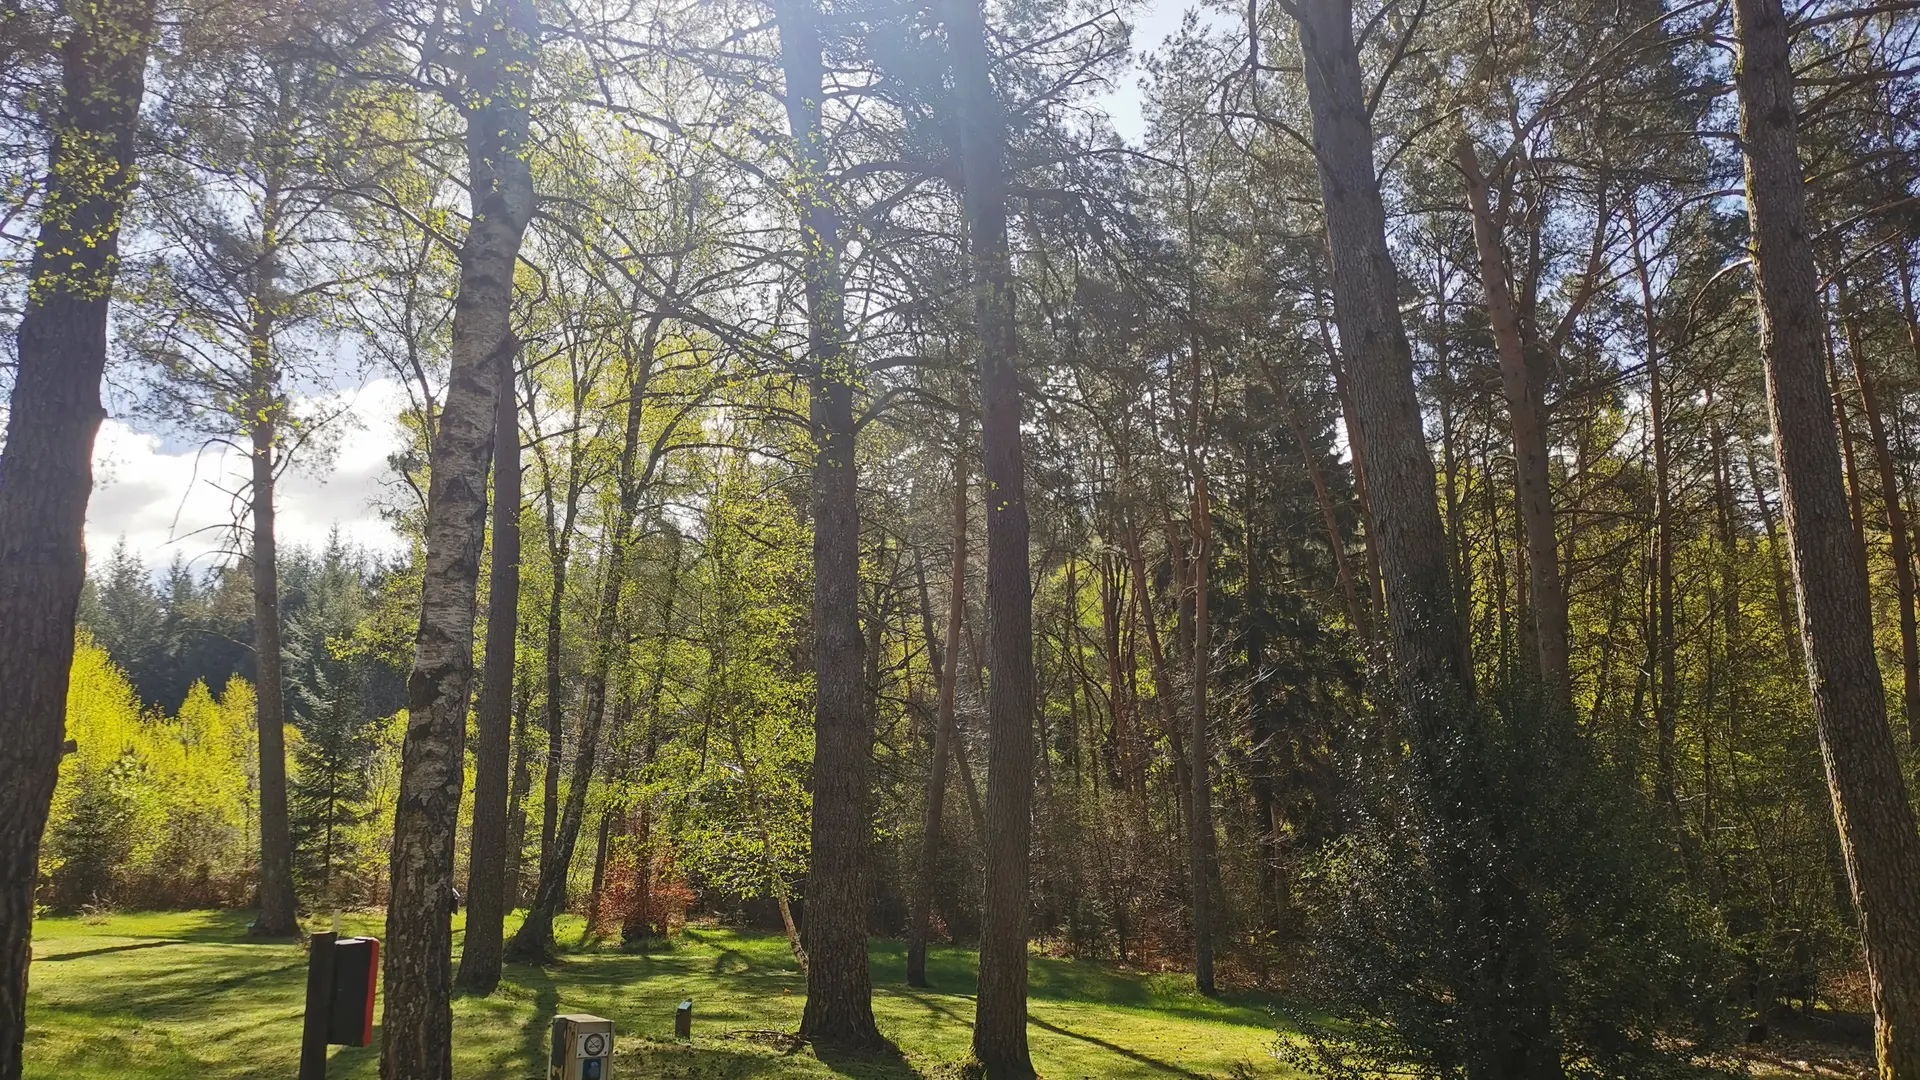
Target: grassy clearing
[184,995]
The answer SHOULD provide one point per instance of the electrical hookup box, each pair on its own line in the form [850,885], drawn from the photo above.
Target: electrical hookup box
[582,1048]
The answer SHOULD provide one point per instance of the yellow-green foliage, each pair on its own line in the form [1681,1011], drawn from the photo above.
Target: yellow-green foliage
[150,808]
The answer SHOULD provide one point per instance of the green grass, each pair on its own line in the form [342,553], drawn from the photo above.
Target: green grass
[186,996]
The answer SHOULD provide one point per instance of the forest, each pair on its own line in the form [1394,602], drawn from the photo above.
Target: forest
[1406,506]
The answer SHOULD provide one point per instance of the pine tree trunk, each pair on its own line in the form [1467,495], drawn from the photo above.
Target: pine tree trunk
[1871,808]
[1200,838]
[1430,651]
[1329,517]
[839,1009]
[487,863]
[46,468]
[277,917]
[948,672]
[1662,655]
[1896,524]
[1505,999]
[1000,1011]
[1264,721]
[1782,588]
[1856,501]
[1527,414]
[417,1031]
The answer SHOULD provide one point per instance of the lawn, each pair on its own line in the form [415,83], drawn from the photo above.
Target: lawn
[185,995]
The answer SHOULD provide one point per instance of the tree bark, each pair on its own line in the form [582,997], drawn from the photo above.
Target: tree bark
[1896,521]
[1875,819]
[1506,1001]
[1856,502]
[947,670]
[1200,840]
[511,894]
[1000,1010]
[1662,655]
[556,719]
[277,916]
[487,864]
[839,1009]
[1329,516]
[417,1030]
[1430,650]
[46,468]
[1527,415]
[533,942]
[640,924]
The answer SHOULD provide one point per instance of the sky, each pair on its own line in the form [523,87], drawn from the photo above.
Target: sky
[165,497]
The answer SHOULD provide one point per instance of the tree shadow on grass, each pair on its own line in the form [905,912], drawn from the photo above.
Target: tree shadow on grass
[880,1063]
[1115,1048]
[649,1058]
[535,1034]
[103,950]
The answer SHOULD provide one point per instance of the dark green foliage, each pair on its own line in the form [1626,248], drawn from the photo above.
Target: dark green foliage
[97,838]
[166,638]
[337,703]
[1560,859]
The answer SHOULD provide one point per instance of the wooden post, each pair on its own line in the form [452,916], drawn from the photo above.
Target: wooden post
[313,1037]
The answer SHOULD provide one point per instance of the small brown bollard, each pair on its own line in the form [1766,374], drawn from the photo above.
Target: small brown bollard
[683,1020]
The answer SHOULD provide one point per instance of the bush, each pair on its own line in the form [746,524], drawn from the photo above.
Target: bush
[1506,902]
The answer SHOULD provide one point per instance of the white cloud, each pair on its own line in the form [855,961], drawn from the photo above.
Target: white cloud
[165,498]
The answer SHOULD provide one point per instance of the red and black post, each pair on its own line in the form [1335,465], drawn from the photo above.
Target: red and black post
[342,974]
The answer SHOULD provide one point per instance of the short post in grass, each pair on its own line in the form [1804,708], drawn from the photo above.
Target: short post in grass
[341,974]
[313,1037]
[683,1020]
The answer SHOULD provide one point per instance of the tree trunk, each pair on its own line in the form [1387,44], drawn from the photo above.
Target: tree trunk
[1000,1011]
[947,670]
[417,1031]
[1782,589]
[602,840]
[533,941]
[1527,412]
[516,843]
[487,865]
[277,916]
[1430,651]
[556,716]
[1264,721]
[1330,518]
[1507,1002]
[1856,502]
[639,923]
[1875,820]
[1200,840]
[1896,522]
[1662,651]
[46,468]
[839,1007]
